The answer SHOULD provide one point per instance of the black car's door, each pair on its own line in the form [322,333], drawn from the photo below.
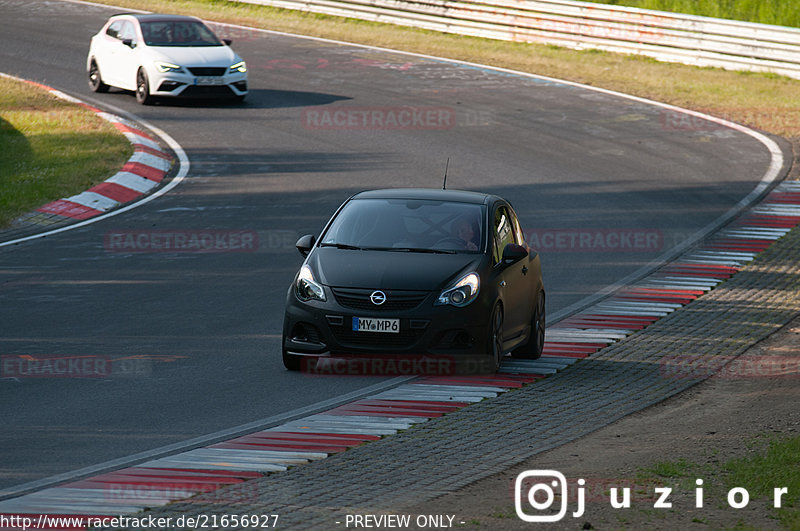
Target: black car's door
[513,280]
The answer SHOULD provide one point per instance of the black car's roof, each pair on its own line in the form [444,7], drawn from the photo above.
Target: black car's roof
[434,194]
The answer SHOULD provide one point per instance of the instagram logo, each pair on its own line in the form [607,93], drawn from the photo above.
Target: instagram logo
[539,489]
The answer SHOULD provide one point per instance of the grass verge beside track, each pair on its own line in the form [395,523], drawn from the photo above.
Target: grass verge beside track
[51,148]
[767,102]
[779,12]
[771,463]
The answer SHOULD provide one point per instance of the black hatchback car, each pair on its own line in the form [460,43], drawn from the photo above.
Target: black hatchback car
[417,272]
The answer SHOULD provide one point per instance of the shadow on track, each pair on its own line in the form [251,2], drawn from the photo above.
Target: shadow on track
[256,99]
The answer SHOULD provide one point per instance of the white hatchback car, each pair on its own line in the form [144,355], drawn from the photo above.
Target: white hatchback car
[164,55]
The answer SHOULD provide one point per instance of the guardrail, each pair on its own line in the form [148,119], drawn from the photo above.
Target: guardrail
[689,39]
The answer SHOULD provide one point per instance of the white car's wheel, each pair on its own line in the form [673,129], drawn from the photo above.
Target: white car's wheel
[95,81]
[143,88]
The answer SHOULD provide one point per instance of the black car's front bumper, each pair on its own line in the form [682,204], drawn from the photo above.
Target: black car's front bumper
[317,328]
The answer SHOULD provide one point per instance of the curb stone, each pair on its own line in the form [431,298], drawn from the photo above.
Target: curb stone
[142,174]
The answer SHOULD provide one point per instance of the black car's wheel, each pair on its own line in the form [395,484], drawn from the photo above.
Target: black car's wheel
[532,350]
[291,361]
[143,88]
[496,336]
[95,81]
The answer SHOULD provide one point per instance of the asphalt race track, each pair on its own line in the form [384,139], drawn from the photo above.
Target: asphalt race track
[195,337]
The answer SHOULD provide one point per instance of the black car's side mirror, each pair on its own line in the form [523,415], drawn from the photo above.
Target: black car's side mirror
[305,243]
[227,41]
[513,253]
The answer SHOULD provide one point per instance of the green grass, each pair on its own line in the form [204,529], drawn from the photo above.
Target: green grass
[777,466]
[767,102]
[50,149]
[771,464]
[667,469]
[779,12]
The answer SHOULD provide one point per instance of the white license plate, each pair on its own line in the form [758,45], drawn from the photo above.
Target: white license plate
[209,80]
[372,324]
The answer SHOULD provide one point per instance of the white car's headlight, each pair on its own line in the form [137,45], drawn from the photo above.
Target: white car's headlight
[463,292]
[239,67]
[306,287]
[167,67]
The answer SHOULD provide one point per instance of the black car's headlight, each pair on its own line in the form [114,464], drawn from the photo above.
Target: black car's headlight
[306,287]
[463,292]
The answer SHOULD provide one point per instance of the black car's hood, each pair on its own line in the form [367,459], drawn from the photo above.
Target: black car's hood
[388,270]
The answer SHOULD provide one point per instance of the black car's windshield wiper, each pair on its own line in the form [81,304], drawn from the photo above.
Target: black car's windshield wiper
[421,250]
[396,249]
[341,246]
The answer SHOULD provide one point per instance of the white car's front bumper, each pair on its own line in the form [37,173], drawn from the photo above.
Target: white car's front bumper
[200,82]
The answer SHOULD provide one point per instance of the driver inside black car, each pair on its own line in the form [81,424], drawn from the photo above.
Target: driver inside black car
[463,229]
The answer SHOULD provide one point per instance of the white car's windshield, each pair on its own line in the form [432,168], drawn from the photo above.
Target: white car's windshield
[408,225]
[178,33]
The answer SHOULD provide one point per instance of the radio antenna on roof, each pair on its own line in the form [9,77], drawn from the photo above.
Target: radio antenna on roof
[446,165]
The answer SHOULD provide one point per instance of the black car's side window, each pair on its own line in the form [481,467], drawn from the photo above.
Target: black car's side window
[519,236]
[504,232]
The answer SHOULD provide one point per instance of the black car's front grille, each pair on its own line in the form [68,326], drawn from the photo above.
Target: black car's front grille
[377,340]
[359,299]
[208,70]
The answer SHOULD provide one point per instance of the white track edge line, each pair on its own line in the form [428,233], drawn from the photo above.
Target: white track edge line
[183,170]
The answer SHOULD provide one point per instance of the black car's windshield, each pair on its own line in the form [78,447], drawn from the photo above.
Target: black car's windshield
[178,33]
[410,225]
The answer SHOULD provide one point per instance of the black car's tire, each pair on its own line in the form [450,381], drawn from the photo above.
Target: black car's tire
[292,361]
[532,350]
[495,346]
[143,88]
[95,80]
